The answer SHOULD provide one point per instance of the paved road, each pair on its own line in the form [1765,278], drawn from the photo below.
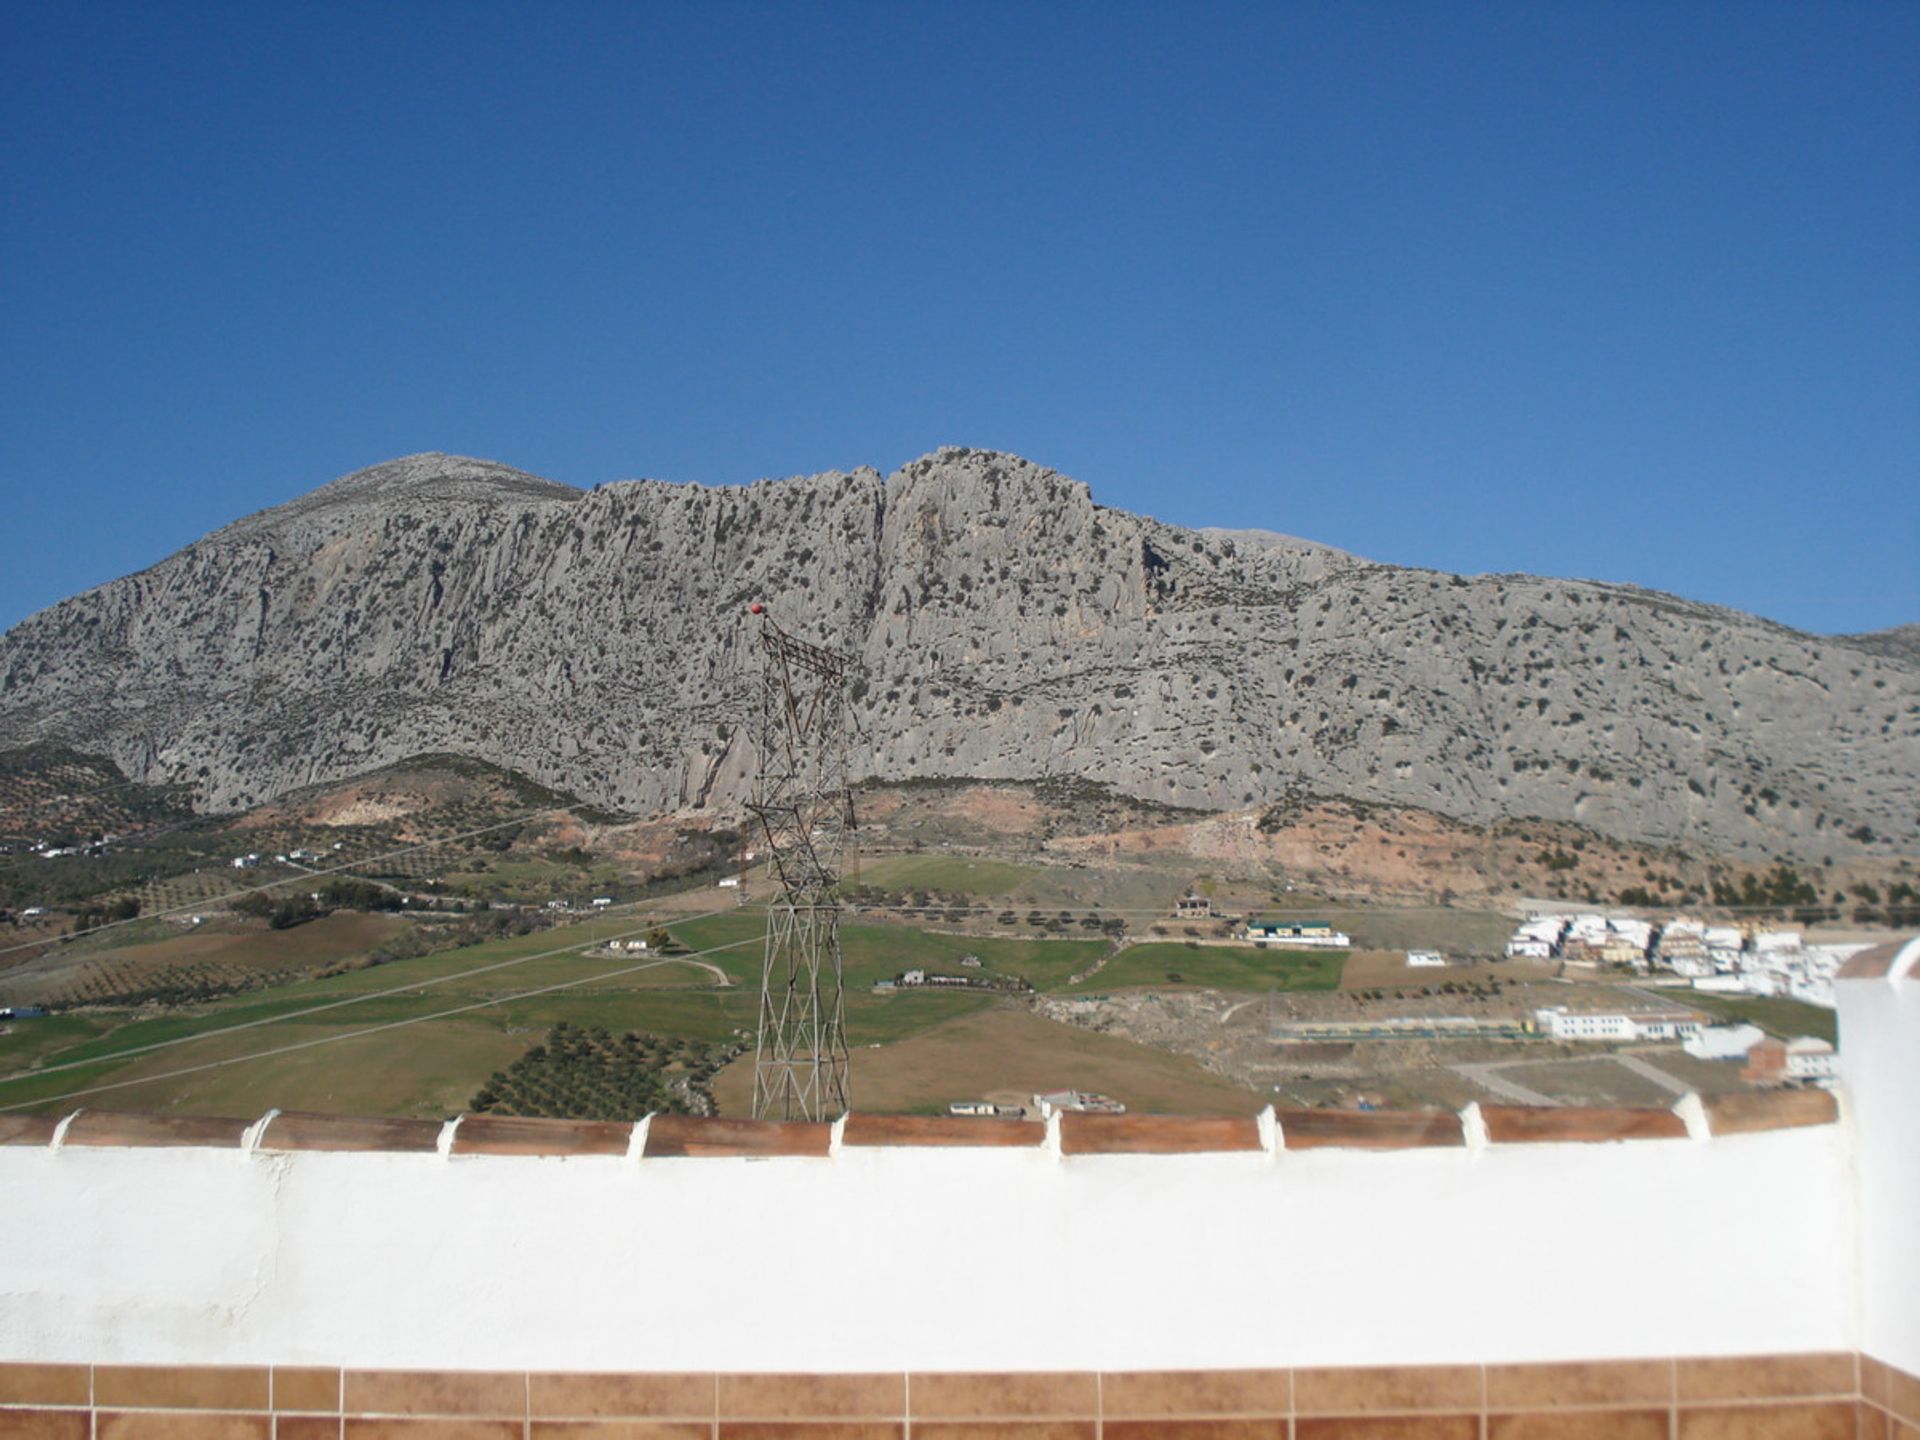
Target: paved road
[1488,1077]
[1651,1072]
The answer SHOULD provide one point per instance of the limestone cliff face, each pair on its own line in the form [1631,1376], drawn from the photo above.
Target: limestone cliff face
[1009,628]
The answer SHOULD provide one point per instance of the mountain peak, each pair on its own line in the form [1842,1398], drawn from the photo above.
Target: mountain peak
[429,475]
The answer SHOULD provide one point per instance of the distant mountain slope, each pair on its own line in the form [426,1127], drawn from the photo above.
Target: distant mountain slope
[1010,628]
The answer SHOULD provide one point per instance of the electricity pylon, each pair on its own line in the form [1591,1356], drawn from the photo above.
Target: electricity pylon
[805,808]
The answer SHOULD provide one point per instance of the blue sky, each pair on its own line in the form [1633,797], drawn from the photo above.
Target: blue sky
[1625,290]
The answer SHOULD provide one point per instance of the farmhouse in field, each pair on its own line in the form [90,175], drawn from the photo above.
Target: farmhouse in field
[1294,933]
[1193,907]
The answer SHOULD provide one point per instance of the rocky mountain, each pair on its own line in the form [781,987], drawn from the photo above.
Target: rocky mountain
[1008,627]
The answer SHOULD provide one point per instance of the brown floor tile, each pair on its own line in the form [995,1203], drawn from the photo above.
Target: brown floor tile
[1579,1425]
[1189,1430]
[43,1385]
[1754,1377]
[814,1430]
[1903,1395]
[965,1396]
[1346,1390]
[413,1428]
[188,1387]
[1004,1430]
[1585,1382]
[1786,1421]
[306,1427]
[1389,1427]
[1196,1392]
[812,1397]
[622,1430]
[181,1425]
[640,1396]
[45,1424]
[1873,1380]
[306,1387]
[436,1392]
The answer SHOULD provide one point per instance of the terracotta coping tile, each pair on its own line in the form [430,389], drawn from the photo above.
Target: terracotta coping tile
[28,1129]
[529,1135]
[957,1131]
[676,1135]
[180,1387]
[1874,964]
[1524,1124]
[1644,1424]
[1756,1377]
[296,1130]
[26,1383]
[977,1396]
[306,1387]
[1546,1385]
[812,1397]
[1741,1113]
[1369,1129]
[1353,1390]
[493,1393]
[1083,1134]
[116,1127]
[1902,1392]
[1148,1393]
[1825,1420]
[585,1395]
[1163,1429]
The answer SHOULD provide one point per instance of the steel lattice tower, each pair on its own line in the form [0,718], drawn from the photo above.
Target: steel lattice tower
[805,809]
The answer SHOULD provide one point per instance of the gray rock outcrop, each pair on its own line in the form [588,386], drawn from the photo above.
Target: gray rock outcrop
[1008,627]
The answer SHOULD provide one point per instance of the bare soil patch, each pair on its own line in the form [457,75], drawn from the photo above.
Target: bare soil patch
[1013,1053]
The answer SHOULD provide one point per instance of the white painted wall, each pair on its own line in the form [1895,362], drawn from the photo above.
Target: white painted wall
[930,1259]
[1880,1078]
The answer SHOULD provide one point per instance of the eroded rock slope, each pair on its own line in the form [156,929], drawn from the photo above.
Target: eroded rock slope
[1009,628]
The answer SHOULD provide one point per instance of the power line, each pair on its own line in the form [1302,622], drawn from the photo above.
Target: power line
[370,1029]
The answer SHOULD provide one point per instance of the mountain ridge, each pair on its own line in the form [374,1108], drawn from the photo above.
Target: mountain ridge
[1010,628]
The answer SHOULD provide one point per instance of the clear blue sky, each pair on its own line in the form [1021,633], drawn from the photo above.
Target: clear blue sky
[1621,290]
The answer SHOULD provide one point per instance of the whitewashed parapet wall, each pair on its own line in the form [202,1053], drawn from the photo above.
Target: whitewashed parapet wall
[934,1257]
[1878,999]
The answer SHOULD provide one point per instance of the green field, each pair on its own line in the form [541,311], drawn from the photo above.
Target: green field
[1783,1018]
[951,874]
[881,952]
[1222,967]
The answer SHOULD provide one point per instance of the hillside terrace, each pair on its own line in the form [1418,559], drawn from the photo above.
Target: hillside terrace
[1737,1266]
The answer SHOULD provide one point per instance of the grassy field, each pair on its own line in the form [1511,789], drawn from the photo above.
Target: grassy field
[881,952]
[951,874]
[222,952]
[432,1066]
[1221,967]
[1784,1018]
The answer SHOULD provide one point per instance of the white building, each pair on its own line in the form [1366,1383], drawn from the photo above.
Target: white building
[1809,1058]
[1425,958]
[1564,1024]
[1724,1042]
